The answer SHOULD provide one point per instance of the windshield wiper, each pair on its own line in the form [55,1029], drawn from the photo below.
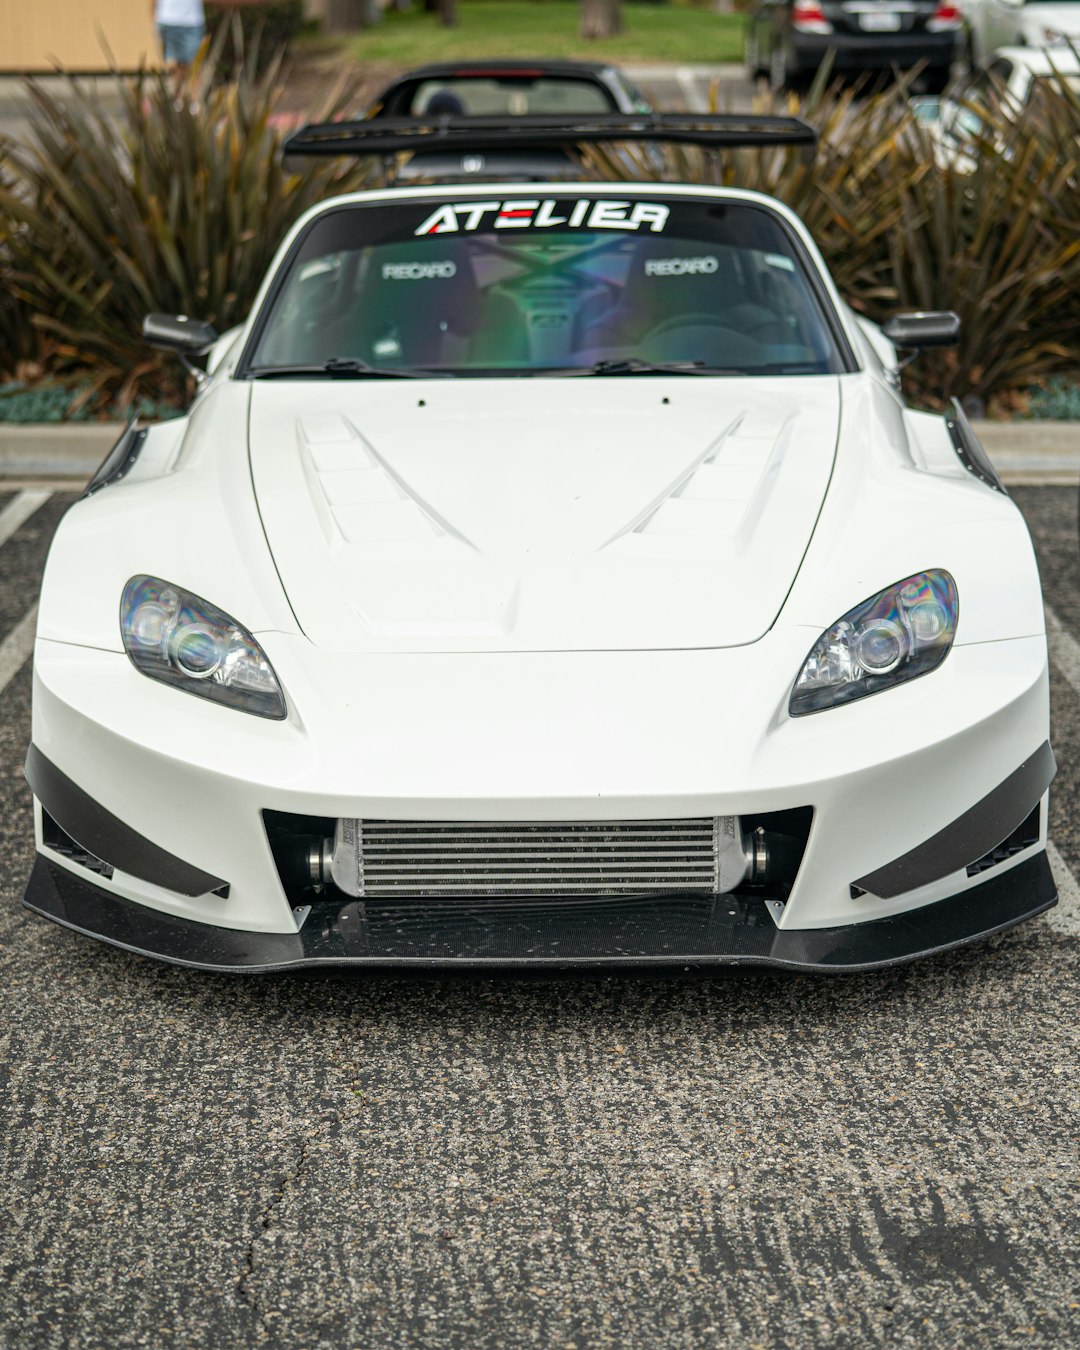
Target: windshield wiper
[342,368]
[352,368]
[633,365]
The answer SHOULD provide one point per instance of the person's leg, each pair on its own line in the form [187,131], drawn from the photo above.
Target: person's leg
[171,39]
[180,43]
[190,42]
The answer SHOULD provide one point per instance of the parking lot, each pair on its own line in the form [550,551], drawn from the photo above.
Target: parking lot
[351,1160]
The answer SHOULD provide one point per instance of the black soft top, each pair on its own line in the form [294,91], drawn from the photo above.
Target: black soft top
[512,66]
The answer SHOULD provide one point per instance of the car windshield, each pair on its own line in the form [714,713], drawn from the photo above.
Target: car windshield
[571,285]
[508,96]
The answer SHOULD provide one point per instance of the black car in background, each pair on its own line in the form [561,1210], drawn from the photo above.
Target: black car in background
[509,89]
[787,40]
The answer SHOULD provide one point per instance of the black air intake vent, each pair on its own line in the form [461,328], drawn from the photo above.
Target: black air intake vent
[1021,838]
[52,836]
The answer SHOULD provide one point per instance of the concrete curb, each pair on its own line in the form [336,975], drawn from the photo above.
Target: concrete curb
[1022,452]
[1033,453]
[727,70]
[55,449]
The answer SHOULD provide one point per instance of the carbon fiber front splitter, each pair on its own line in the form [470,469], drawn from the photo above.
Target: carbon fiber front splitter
[553,933]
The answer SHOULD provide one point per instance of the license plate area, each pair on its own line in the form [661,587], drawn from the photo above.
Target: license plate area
[880,23]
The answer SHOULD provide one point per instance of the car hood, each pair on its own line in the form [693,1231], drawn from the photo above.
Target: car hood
[540,514]
[1064,18]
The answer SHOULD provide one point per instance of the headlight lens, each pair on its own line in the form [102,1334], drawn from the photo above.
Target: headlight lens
[901,633]
[174,636]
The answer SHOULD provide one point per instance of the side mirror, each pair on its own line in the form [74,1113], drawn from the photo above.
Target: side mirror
[177,333]
[935,328]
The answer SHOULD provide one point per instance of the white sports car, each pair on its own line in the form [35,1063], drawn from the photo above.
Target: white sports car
[544,575]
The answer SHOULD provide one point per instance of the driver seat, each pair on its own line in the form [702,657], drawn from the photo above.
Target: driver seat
[668,277]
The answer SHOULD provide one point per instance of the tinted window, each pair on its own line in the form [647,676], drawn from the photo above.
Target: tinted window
[490,287]
[508,97]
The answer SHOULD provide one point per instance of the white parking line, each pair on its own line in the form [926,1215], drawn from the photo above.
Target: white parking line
[1065,916]
[687,80]
[19,510]
[1064,649]
[17,646]
[1065,654]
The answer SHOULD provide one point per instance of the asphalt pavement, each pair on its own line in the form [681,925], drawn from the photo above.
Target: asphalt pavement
[348,1160]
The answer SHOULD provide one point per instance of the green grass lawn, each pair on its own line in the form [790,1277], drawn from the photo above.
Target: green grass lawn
[492,28]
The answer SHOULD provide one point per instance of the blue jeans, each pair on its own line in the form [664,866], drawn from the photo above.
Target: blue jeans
[180,41]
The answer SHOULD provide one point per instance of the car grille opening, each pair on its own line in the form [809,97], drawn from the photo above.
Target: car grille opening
[404,860]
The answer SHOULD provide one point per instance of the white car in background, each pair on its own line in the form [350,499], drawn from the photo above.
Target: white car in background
[545,575]
[1015,74]
[1019,23]
[1008,84]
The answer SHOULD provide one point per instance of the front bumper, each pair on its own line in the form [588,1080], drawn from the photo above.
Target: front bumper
[875,51]
[673,931]
[175,792]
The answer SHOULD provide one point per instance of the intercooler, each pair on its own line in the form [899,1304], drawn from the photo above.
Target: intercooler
[381,858]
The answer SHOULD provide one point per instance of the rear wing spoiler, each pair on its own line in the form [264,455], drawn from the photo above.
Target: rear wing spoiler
[395,135]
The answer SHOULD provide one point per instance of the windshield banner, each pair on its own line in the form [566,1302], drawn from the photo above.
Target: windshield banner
[546,215]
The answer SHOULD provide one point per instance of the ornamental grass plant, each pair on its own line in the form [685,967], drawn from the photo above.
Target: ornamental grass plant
[167,198]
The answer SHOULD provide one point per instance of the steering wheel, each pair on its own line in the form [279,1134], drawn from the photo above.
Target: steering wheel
[691,320]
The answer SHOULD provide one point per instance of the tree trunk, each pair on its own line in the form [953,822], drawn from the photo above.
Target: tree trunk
[349,16]
[448,12]
[600,18]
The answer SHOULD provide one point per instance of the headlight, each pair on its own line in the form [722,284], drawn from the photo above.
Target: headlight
[904,632]
[174,636]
